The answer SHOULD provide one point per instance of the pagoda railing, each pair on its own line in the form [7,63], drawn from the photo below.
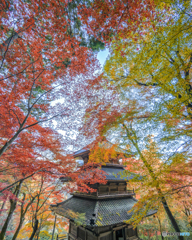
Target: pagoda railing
[127,192]
[100,194]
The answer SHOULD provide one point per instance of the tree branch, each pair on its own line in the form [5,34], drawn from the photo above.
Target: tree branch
[20,180]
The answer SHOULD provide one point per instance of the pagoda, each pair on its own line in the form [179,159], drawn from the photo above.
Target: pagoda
[105,210]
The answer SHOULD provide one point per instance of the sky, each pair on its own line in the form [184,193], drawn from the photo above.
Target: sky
[102,56]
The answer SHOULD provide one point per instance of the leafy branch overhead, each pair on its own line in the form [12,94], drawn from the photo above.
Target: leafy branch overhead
[55,98]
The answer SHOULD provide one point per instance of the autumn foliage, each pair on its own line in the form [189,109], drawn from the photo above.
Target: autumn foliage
[140,103]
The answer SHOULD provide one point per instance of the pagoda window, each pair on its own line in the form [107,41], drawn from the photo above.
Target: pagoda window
[113,187]
[119,234]
[122,187]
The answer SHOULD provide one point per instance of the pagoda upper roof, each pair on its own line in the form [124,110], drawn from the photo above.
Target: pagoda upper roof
[112,172]
[115,172]
[107,211]
[83,151]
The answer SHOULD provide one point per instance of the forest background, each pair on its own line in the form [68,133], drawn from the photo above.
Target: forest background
[55,98]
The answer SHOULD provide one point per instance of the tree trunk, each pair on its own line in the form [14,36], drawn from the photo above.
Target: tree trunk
[9,217]
[22,216]
[34,229]
[7,144]
[18,228]
[160,228]
[3,204]
[171,217]
[54,227]
[11,211]
[2,207]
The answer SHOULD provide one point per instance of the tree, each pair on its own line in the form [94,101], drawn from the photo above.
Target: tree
[153,173]
[46,49]
[106,20]
[33,66]
[13,203]
[33,58]
[134,74]
[159,66]
[41,60]
[33,205]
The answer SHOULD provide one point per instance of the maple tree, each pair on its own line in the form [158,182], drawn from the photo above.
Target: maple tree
[27,194]
[39,213]
[46,50]
[36,53]
[33,206]
[33,67]
[49,166]
[42,59]
[107,20]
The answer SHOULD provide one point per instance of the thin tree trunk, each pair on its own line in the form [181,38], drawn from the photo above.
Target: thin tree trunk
[171,217]
[22,216]
[2,207]
[7,144]
[54,227]
[160,228]
[11,211]
[9,217]
[18,228]
[3,204]
[34,229]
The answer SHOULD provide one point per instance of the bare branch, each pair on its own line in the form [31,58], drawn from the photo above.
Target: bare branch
[20,71]
[16,116]
[20,180]
[32,89]
[45,120]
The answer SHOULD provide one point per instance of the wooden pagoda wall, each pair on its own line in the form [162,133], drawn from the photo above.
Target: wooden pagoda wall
[101,233]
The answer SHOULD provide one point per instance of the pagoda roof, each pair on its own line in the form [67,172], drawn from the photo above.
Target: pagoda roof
[107,211]
[114,172]
[81,152]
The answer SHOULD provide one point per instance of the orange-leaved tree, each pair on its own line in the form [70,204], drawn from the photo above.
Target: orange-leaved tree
[42,62]
[32,212]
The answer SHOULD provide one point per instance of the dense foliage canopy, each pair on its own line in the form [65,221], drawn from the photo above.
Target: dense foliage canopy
[141,103]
